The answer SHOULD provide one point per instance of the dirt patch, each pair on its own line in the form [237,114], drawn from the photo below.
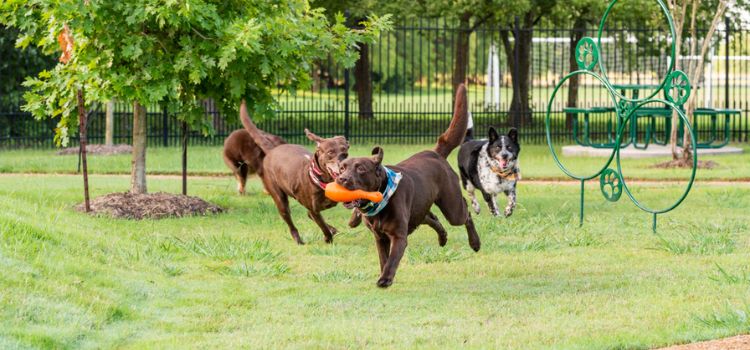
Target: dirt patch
[680,164]
[740,342]
[98,150]
[149,206]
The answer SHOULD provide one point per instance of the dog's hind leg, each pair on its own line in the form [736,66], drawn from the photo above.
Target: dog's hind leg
[328,230]
[511,202]
[492,203]
[432,221]
[453,206]
[242,177]
[282,204]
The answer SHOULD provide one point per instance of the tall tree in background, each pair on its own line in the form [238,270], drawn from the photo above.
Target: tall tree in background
[688,15]
[357,12]
[177,53]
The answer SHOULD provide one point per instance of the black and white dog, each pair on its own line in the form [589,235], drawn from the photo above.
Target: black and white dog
[491,166]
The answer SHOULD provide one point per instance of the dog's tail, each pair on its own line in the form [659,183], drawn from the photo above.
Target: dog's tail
[454,135]
[261,138]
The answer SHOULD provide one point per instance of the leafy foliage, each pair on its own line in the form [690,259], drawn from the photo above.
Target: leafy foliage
[178,52]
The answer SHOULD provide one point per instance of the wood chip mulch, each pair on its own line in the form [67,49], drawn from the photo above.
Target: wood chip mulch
[740,342]
[679,164]
[98,150]
[149,206]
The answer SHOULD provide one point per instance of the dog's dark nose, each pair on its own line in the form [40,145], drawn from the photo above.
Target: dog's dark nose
[343,156]
[343,180]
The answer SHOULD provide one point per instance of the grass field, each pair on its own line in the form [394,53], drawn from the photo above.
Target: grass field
[237,280]
[536,162]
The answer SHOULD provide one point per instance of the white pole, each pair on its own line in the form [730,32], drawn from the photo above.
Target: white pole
[708,84]
[492,89]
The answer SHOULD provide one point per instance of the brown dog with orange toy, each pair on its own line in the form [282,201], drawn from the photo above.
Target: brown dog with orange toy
[409,190]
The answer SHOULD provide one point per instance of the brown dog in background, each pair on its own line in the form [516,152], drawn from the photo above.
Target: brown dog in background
[292,171]
[243,156]
[426,179]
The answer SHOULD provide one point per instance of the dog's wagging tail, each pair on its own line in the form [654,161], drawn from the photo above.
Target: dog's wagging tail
[454,135]
[258,136]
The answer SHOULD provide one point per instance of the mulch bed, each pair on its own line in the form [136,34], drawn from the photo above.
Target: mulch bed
[98,150]
[679,164]
[740,342]
[149,206]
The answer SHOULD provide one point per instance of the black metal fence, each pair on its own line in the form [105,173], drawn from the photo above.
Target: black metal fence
[411,69]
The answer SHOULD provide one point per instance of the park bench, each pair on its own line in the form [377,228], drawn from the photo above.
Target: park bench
[716,139]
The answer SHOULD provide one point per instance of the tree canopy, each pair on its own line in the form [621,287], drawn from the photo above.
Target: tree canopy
[178,52]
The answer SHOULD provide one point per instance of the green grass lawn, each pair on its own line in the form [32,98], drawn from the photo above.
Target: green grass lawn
[536,163]
[236,280]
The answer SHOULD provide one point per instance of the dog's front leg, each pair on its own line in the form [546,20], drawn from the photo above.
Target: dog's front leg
[398,246]
[511,202]
[491,200]
[328,230]
[474,202]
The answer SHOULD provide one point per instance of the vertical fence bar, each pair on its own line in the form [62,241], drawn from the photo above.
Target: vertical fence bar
[165,126]
[346,103]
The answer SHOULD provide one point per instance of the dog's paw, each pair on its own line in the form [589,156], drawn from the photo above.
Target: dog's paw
[355,220]
[495,212]
[508,212]
[385,282]
[475,206]
[442,240]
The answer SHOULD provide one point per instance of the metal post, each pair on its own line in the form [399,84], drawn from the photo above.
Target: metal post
[165,126]
[346,103]
[516,73]
[184,157]
[727,23]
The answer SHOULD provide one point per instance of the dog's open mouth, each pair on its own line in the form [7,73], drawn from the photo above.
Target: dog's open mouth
[359,203]
[333,169]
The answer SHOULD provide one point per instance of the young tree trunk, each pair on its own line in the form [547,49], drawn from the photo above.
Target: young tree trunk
[576,35]
[138,173]
[184,157]
[518,55]
[462,52]
[109,126]
[82,133]
[316,84]
[363,82]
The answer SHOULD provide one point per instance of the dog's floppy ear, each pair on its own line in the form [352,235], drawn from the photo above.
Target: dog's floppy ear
[315,138]
[493,135]
[513,134]
[377,155]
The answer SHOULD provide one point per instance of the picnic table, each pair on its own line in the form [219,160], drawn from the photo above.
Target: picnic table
[716,138]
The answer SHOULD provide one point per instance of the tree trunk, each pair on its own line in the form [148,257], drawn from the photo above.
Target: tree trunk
[184,157]
[84,140]
[363,82]
[576,35]
[316,84]
[138,173]
[462,52]
[109,124]
[519,60]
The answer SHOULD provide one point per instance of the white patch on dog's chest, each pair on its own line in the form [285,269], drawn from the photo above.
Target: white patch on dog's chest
[491,182]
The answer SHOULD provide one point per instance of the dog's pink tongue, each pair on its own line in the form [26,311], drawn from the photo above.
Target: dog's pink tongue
[503,163]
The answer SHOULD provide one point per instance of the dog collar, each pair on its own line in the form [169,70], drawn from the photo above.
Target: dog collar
[372,209]
[505,174]
[315,173]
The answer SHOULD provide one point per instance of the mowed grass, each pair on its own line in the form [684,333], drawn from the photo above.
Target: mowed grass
[536,163]
[237,280]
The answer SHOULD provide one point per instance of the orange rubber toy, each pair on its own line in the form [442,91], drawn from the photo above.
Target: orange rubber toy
[338,193]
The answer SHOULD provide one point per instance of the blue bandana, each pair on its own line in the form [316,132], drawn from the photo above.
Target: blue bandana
[372,209]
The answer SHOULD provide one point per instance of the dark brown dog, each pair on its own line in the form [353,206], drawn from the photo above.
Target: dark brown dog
[244,157]
[426,179]
[292,171]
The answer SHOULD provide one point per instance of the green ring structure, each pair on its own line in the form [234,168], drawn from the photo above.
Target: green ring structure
[676,88]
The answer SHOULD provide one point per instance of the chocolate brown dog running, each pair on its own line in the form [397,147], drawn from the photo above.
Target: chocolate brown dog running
[244,157]
[409,189]
[292,171]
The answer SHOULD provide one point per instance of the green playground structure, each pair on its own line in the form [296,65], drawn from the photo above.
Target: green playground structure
[626,110]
